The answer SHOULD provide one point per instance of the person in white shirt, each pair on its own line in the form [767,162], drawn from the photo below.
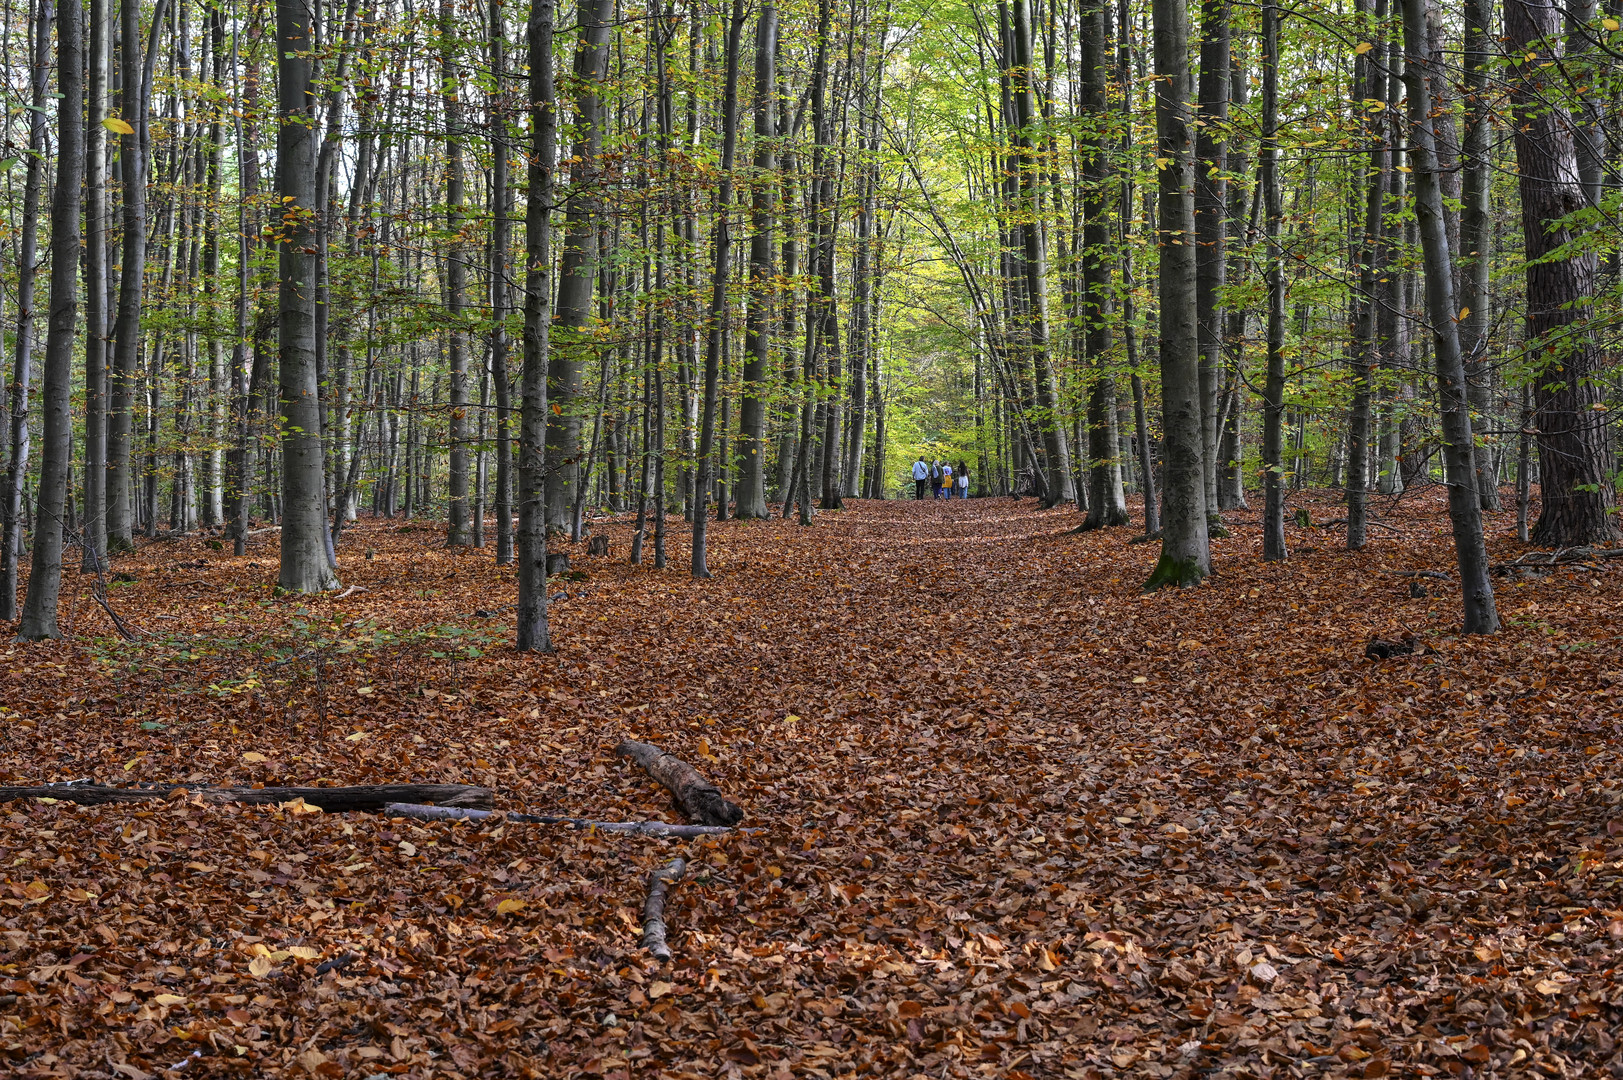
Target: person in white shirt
[921,477]
[962,480]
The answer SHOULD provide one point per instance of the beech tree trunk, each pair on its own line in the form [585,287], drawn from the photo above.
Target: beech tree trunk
[1273,394]
[1567,369]
[56,435]
[1211,204]
[532,632]
[757,327]
[305,567]
[1464,507]
[1185,548]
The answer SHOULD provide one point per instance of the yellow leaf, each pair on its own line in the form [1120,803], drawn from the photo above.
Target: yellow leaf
[1362,48]
[122,127]
[363,690]
[1374,106]
[509,905]
[259,967]
[1140,679]
[1162,162]
[791,719]
[357,737]
[304,952]
[1610,24]
[168,999]
[253,755]
[1464,311]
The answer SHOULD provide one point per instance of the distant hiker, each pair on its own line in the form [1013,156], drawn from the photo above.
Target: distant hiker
[962,480]
[935,478]
[946,480]
[921,477]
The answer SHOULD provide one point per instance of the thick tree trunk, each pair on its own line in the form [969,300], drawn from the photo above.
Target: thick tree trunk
[1568,372]
[532,632]
[56,436]
[577,271]
[305,566]
[1464,508]
[1185,549]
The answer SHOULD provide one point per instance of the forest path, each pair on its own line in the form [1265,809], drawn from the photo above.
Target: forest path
[1018,819]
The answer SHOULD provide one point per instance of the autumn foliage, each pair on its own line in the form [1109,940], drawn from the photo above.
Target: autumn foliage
[1016,818]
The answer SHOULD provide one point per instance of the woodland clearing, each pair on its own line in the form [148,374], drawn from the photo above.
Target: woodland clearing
[1017,819]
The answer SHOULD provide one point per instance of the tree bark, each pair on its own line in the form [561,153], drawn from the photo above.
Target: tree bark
[56,436]
[334,800]
[305,567]
[1273,396]
[1185,548]
[1464,508]
[1476,228]
[757,327]
[1211,205]
[699,799]
[532,631]
[1568,373]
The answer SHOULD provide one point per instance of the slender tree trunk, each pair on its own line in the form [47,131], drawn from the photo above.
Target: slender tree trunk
[1273,395]
[95,273]
[1211,205]
[533,633]
[716,323]
[1464,508]
[757,328]
[1185,549]
[458,532]
[11,508]
[1476,228]
[305,566]
[501,233]
[1373,269]
[1107,498]
[56,436]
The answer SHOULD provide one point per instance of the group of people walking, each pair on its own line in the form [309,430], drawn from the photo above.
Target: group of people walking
[941,478]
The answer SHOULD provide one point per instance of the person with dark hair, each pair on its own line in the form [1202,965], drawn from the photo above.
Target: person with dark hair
[961,479]
[935,479]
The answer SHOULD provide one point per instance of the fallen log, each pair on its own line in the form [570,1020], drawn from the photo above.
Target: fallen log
[334,800]
[653,909]
[631,828]
[697,797]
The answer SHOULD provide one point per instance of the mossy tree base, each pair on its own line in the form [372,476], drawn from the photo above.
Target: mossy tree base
[1179,572]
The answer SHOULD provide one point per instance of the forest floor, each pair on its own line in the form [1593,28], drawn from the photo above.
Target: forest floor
[1017,819]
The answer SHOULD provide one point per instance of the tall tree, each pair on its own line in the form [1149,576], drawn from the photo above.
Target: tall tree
[1464,509]
[757,328]
[1185,548]
[458,530]
[22,375]
[305,565]
[56,436]
[1273,397]
[533,634]
[1211,207]
[1564,363]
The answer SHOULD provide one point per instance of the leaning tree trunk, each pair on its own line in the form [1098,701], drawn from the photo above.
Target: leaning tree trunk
[1464,509]
[1185,549]
[305,567]
[1567,368]
[56,442]
[532,635]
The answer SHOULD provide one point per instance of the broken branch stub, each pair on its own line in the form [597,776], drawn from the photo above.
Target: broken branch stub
[697,797]
[653,909]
